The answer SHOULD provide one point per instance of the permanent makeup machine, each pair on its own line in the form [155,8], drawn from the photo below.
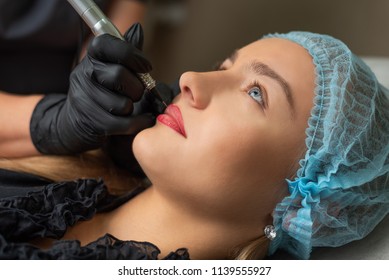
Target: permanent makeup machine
[100,24]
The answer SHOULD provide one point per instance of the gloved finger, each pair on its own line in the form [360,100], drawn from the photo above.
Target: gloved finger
[107,48]
[139,123]
[167,92]
[98,102]
[114,103]
[132,125]
[150,104]
[118,79]
[134,36]
[175,87]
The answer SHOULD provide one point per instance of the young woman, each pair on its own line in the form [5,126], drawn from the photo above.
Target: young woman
[285,146]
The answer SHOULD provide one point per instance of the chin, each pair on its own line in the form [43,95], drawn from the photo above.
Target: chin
[147,151]
[140,147]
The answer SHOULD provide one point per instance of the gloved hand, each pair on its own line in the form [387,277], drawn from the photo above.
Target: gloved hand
[100,99]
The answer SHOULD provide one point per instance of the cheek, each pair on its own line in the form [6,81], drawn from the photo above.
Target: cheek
[229,155]
[235,167]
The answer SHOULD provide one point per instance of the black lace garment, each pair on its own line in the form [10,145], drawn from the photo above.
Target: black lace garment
[31,207]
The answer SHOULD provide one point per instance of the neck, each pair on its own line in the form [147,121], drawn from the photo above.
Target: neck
[170,226]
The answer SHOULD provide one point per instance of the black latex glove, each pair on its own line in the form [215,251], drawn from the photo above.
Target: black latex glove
[100,100]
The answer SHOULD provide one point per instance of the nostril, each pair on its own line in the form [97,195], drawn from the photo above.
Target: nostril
[186,91]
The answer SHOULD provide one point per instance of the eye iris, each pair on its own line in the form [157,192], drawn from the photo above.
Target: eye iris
[256,93]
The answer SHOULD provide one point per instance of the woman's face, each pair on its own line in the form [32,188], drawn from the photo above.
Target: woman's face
[245,131]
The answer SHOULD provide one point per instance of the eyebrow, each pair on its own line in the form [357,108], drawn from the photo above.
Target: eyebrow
[260,68]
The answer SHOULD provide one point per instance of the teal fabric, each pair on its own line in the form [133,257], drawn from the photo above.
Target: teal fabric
[341,191]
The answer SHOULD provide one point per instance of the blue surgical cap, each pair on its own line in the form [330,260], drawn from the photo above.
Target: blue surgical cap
[341,190]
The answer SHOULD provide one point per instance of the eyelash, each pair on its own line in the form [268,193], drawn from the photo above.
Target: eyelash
[258,87]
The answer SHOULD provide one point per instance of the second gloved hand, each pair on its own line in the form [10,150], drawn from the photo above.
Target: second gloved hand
[100,100]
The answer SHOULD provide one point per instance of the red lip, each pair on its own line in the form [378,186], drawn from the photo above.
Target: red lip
[173,119]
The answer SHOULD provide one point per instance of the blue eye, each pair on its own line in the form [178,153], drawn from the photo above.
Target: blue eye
[256,94]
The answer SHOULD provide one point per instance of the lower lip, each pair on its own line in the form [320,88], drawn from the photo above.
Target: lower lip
[170,122]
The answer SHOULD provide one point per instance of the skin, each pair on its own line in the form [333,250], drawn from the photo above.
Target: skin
[216,188]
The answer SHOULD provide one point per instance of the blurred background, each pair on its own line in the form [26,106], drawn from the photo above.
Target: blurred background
[182,35]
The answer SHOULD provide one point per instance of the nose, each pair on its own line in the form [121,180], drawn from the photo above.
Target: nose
[199,88]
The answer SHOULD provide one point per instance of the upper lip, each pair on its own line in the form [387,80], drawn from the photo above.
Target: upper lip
[175,113]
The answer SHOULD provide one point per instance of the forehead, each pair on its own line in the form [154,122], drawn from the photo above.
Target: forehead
[288,59]
[275,50]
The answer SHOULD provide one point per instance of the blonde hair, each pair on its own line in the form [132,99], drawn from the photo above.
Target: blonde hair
[93,164]
[252,250]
